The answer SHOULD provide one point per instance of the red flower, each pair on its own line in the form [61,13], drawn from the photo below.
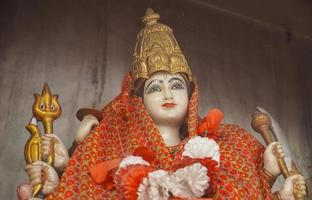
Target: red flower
[210,123]
[128,179]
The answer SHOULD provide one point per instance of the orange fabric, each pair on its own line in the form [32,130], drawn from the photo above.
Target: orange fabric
[145,153]
[99,171]
[126,125]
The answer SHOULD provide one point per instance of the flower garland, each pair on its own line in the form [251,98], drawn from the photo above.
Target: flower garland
[197,169]
[202,147]
[130,174]
[155,186]
[193,177]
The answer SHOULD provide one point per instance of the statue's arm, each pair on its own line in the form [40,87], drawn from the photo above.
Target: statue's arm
[87,124]
[266,159]
[61,155]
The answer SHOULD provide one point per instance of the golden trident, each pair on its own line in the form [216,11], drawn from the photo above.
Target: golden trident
[46,109]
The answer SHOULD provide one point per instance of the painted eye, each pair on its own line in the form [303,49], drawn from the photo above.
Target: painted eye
[42,106]
[52,107]
[154,88]
[177,86]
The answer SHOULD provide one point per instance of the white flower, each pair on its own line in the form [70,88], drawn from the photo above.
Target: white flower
[155,186]
[144,189]
[190,181]
[132,160]
[202,147]
[159,181]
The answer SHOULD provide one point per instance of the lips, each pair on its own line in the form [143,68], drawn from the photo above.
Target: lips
[169,105]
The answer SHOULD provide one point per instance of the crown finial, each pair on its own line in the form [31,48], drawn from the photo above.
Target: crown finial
[150,17]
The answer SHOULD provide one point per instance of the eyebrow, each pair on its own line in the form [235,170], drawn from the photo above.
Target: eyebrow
[176,79]
[161,81]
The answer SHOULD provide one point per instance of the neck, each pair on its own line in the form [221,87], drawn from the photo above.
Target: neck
[170,134]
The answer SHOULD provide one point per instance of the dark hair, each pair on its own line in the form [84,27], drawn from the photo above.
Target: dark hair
[138,90]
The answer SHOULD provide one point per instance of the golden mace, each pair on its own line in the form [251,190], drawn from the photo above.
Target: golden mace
[46,109]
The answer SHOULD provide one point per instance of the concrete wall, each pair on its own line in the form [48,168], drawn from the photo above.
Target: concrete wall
[83,49]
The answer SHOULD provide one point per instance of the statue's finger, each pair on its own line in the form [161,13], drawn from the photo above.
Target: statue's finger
[34,172]
[297,187]
[27,167]
[52,137]
[33,169]
[45,138]
[295,178]
[303,192]
[45,148]
[278,153]
[38,165]
[300,177]
[301,182]
[46,143]
[302,187]
[32,166]
[299,196]
[280,150]
[36,180]
[273,145]
[45,154]
[279,146]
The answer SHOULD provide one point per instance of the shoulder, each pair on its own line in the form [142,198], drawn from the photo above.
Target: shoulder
[238,136]
[234,131]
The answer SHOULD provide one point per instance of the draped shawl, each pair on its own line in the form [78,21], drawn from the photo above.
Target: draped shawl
[127,125]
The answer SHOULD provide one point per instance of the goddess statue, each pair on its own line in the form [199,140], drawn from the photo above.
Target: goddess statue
[149,143]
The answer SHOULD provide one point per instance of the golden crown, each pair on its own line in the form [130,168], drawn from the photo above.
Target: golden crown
[157,50]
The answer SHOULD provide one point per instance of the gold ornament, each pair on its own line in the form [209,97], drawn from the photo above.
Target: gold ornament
[46,108]
[32,147]
[157,50]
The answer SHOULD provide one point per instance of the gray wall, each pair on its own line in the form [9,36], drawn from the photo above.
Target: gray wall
[83,49]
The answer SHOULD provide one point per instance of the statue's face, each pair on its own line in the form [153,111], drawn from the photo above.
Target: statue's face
[166,98]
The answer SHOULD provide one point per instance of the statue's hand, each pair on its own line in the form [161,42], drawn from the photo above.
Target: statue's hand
[294,185]
[272,152]
[41,172]
[24,191]
[61,155]
[88,122]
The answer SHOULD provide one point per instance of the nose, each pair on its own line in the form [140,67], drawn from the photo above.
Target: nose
[167,93]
